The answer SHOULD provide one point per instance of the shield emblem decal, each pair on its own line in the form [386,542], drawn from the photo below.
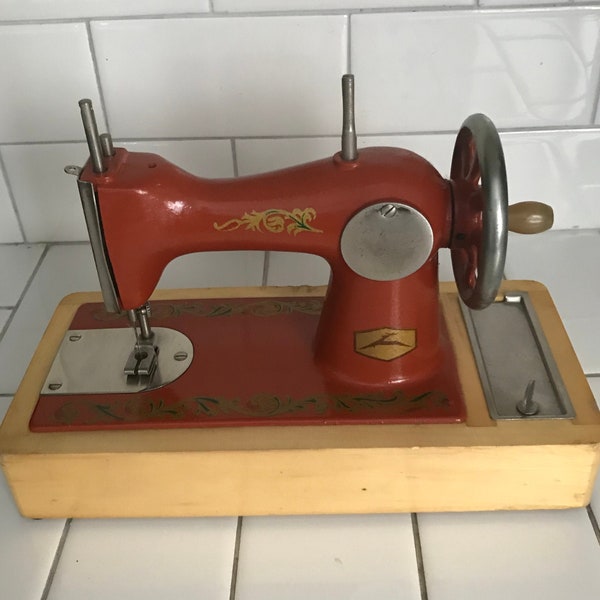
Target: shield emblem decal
[385,343]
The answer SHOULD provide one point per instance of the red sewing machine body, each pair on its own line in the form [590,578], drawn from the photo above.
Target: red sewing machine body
[153,212]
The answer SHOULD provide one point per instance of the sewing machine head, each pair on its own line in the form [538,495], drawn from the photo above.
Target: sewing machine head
[378,216]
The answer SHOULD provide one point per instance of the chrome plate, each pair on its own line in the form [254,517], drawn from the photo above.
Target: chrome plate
[511,350]
[91,361]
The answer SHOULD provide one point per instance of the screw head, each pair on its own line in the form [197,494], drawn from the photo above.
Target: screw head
[388,211]
[75,337]
[54,386]
[181,355]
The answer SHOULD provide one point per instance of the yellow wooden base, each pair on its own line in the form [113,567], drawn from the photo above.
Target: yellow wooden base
[477,465]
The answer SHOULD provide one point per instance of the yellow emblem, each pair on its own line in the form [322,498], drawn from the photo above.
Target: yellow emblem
[274,220]
[385,343]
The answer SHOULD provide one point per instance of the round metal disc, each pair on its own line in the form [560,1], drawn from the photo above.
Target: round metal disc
[386,241]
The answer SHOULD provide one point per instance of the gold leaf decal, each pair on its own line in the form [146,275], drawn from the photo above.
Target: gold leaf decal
[385,343]
[274,220]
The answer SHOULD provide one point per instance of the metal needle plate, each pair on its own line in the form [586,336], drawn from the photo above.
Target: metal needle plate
[90,361]
[511,351]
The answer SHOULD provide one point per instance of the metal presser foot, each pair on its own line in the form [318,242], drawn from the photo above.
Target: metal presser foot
[143,359]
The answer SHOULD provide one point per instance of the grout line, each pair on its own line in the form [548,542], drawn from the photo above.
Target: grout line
[596,96]
[214,14]
[293,136]
[11,197]
[419,556]
[236,558]
[25,290]
[57,555]
[266,265]
[88,28]
[234,158]
[594,522]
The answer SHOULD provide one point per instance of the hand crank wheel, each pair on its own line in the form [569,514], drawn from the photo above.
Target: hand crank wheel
[480,219]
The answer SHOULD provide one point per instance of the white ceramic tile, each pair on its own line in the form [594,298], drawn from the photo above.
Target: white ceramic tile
[27,547]
[146,559]
[9,226]
[429,71]
[4,315]
[595,385]
[266,5]
[261,155]
[70,268]
[49,68]
[161,79]
[329,557]
[205,158]
[73,9]
[214,269]
[435,148]
[502,3]
[518,555]
[566,262]
[47,199]
[17,263]
[297,268]
[558,168]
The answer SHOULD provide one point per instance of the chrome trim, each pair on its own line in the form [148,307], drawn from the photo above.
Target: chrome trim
[91,211]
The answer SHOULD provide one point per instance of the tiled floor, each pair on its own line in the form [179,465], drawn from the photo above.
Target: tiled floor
[517,555]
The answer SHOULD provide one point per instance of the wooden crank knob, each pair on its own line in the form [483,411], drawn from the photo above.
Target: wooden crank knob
[530,217]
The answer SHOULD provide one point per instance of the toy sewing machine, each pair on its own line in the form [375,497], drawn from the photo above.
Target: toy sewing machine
[383,392]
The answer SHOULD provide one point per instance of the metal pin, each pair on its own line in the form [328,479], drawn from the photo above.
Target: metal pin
[349,147]
[107,145]
[528,406]
[143,314]
[91,135]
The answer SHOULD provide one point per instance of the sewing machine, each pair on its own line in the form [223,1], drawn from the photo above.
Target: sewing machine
[382,392]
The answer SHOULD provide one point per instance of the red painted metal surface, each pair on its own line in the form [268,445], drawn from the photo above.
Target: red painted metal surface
[153,212]
[253,364]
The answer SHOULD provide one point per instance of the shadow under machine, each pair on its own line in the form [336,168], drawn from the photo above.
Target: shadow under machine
[383,391]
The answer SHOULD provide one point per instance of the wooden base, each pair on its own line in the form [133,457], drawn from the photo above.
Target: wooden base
[477,465]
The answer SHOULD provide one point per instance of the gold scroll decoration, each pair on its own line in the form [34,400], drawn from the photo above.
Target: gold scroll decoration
[273,220]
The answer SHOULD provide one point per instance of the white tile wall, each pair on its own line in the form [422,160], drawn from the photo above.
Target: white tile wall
[44,70]
[17,263]
[4,315]
[427,72]
[75,9]
[334,557]
[205,158]
[24,542]
[518,555]
[277,5]
[164,558]
[269,81]
[567,263]
[9,225]
[46,197]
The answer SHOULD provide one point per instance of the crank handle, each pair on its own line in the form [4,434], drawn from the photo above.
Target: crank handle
[530,217]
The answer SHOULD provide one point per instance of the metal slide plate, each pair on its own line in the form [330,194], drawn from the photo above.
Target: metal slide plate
[91,361]
[511,350]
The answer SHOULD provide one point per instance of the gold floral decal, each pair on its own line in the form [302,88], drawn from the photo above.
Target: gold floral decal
[259,308]
[139,408]
[274,220]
